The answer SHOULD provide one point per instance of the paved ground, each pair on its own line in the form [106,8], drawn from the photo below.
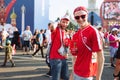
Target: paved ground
[29,68]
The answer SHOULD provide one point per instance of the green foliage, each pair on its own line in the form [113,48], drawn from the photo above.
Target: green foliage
[72,26]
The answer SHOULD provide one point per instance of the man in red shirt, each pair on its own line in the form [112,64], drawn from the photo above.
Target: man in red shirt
[89,52]
[58,61]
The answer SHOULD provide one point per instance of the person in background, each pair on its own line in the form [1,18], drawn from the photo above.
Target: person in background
[100,29]
[86,48]
[39,42]
[10,32]
[48,39]
[8,54]
[113,40]
[27,36]
[118,33]
[116,72]
[4,37]
[70,33]
[106,35]
[34,40]
[44,38]
[58,61]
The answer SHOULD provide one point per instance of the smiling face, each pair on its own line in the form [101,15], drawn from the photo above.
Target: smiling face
[81,17]
[64,23]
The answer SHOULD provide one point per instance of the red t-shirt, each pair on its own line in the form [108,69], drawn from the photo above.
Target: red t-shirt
[83,65]
[106,35]
[56,44]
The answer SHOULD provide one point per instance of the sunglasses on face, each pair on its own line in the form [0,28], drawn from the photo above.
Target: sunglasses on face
[78,17]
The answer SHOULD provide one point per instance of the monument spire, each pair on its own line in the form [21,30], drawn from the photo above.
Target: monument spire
[13,17]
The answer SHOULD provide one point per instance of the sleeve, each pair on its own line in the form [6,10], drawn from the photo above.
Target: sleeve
[53,35]
[96,41]
[111,38]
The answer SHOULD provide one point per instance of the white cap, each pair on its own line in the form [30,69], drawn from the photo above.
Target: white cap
[114,29]
[66,17]
[98,26]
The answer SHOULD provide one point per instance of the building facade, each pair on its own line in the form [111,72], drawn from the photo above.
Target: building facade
[110,14]
[94,13]
[32,9]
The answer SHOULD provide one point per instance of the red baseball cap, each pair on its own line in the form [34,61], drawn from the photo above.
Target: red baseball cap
[80,8]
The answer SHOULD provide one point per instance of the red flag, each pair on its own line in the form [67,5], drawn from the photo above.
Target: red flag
[8,8]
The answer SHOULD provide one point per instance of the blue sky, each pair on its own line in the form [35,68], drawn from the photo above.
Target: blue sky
[58,8]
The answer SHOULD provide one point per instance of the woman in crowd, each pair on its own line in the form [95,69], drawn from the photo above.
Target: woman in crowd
[113,40]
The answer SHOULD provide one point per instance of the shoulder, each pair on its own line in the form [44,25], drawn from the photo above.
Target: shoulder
[24,32]
[10,46]
[6,46]
[55,31]
[38,35]
[48,31]
[92,30]
[76,34]
[30,32]
[110,35]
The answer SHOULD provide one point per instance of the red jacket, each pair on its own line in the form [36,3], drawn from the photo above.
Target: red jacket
[56,43]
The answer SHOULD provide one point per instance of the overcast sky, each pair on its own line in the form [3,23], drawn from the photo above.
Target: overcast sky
[58,8]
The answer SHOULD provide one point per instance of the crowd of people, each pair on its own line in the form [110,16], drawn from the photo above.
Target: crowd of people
[85,46]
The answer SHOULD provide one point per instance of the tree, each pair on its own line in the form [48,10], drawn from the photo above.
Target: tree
[72,26]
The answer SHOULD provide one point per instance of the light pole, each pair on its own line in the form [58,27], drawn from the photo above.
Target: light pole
[23,17]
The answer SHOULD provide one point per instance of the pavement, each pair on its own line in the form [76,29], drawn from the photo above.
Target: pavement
[35,68]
